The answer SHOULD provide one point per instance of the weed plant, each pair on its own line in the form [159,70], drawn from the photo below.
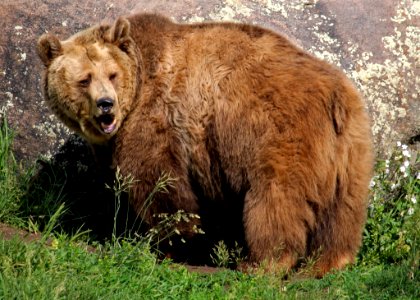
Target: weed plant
[166,224]
[224,257]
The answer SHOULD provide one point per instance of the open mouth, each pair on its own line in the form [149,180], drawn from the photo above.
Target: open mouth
[107,122]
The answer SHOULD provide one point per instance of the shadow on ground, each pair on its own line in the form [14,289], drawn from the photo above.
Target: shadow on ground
[72,177]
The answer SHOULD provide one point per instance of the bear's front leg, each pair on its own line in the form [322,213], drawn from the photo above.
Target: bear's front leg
[148,150]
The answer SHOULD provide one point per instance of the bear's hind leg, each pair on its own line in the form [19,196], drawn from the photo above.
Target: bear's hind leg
[276,222]
[339,238]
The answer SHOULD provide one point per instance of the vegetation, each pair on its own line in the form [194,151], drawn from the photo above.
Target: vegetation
[392,233]
[63,265]
[10,191]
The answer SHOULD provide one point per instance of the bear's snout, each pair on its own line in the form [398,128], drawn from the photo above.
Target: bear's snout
[105,104]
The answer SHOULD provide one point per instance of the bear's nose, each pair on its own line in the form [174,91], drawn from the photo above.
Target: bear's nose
[105,104]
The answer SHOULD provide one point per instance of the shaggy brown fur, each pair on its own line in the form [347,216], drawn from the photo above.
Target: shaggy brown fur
[238,115]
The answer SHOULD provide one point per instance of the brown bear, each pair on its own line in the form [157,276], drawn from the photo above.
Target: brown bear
[251,127]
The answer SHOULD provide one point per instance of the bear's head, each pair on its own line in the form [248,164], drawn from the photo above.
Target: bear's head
[91,78]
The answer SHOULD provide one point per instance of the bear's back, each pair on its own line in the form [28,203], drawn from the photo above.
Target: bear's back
[214,74]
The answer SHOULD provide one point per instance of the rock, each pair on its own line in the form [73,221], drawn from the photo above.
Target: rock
[375,42]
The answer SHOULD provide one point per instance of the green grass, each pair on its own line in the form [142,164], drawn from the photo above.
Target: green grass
[65,266]
[67,270]
[119,272]
[10,192]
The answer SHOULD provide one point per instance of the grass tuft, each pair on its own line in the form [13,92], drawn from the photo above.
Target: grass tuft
[10,188]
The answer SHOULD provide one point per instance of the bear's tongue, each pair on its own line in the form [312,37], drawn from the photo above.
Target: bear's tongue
[108,123]
[108,128]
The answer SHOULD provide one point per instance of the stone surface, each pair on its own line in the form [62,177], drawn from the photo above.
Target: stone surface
[375,42]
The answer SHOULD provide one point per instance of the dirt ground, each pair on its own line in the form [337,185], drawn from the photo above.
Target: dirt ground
[8,232]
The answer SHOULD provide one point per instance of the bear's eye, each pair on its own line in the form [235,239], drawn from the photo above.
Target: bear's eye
[112,76]
[85,82]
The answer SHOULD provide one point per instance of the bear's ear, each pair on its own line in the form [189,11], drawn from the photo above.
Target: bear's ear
[49,47]
[120,34]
